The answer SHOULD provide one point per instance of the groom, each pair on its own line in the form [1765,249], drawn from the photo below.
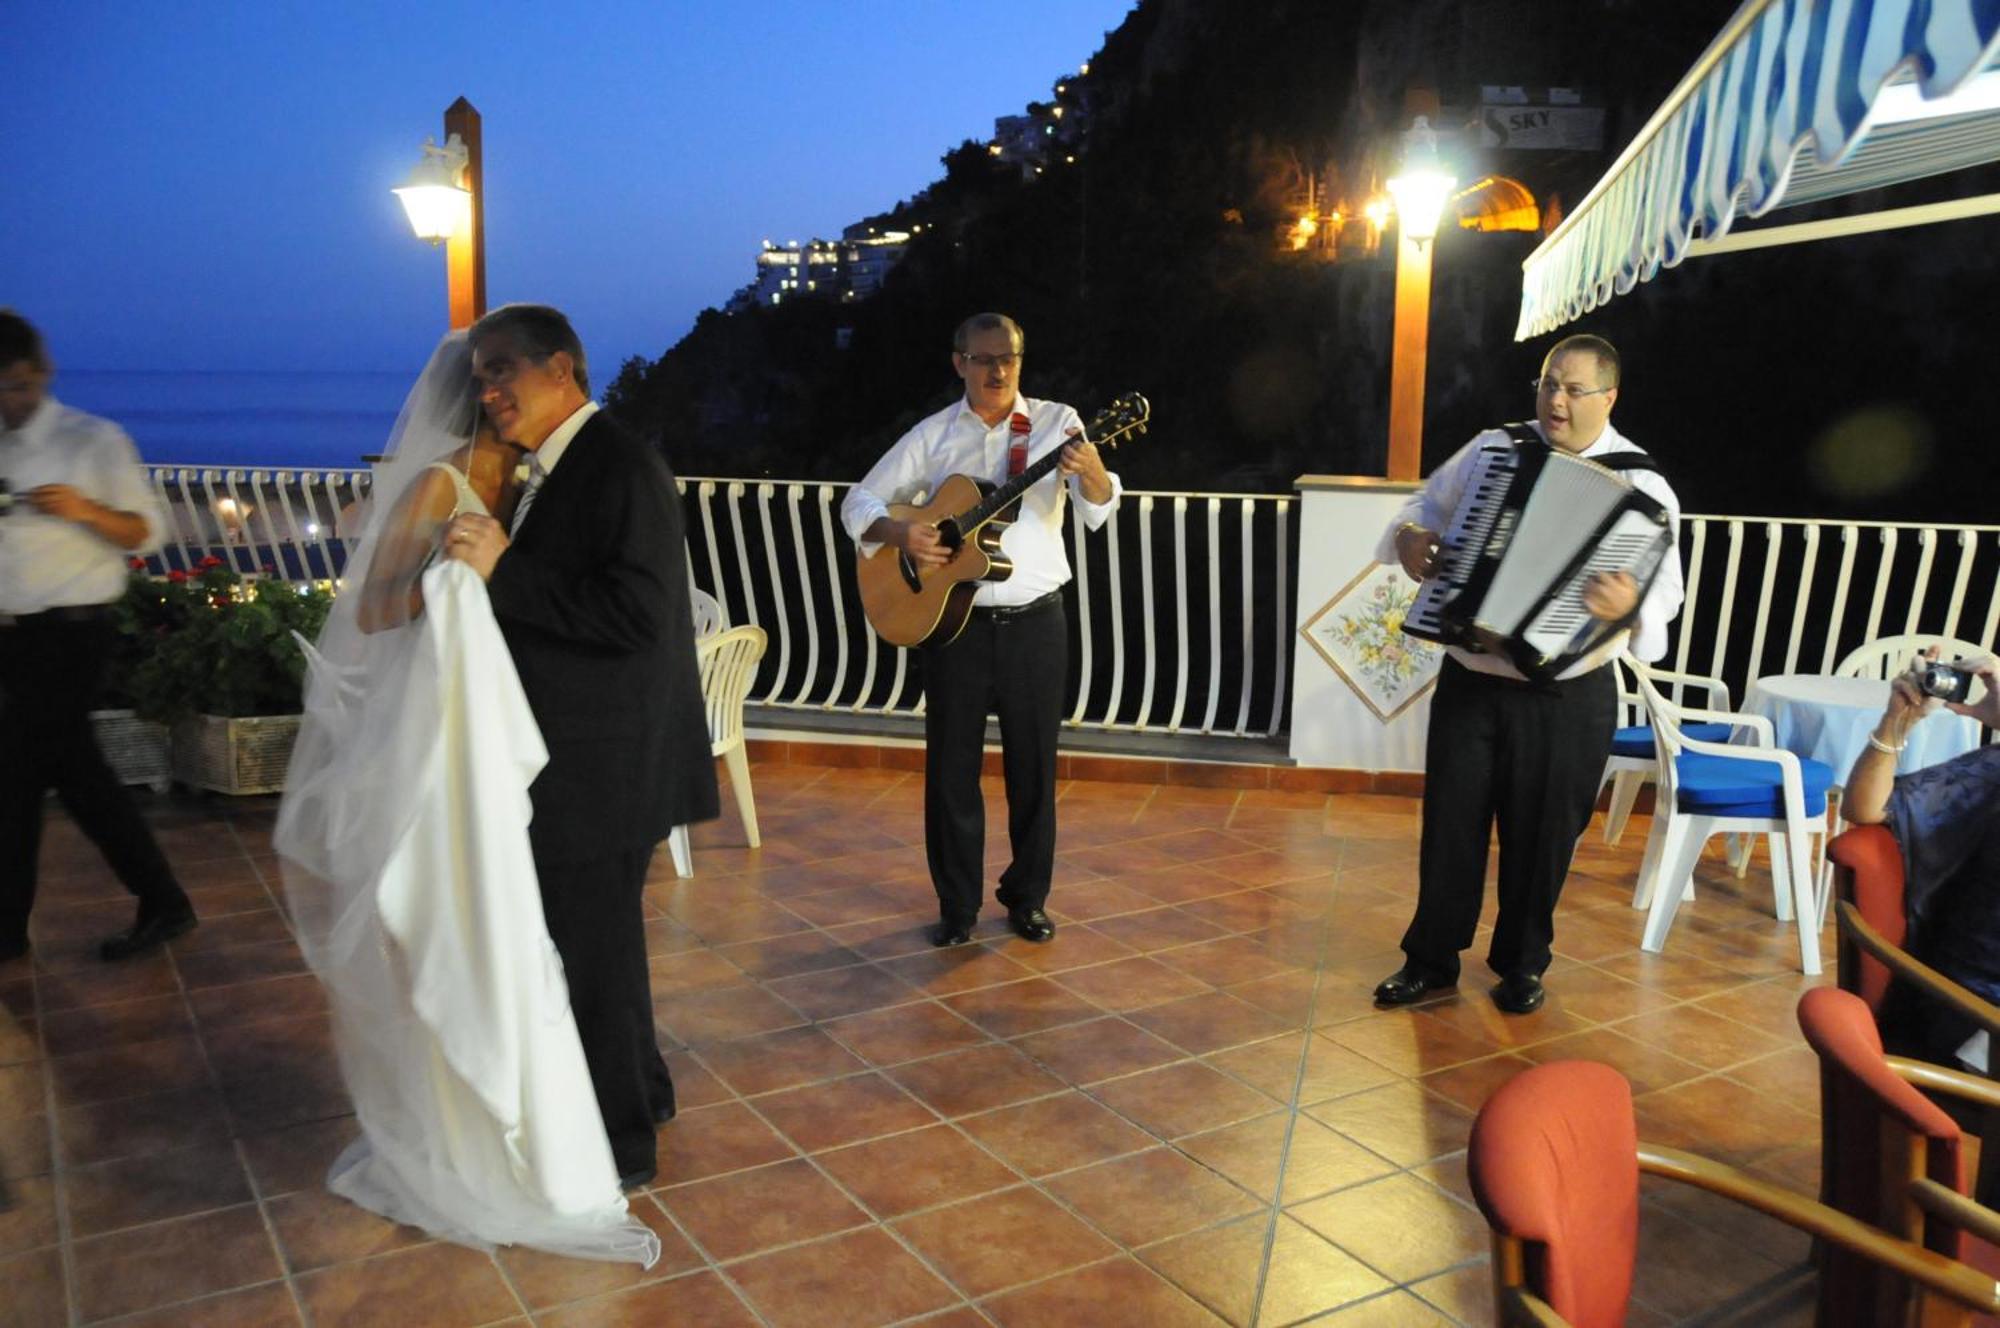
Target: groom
[590,588]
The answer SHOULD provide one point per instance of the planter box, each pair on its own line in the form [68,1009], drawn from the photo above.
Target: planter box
[246,755]
[135,748]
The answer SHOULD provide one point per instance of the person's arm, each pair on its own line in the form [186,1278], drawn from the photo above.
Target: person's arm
[115,525]
[1413,537]
[110,498]
[393,593]
[1873,779]
[865,511]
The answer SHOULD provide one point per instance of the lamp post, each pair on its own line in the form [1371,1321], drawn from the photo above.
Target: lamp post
[1420,192]
[445,203]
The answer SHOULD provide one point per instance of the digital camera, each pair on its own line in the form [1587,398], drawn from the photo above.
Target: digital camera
[1947,682]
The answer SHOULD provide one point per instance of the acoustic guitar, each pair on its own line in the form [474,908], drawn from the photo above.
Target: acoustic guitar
[912,606]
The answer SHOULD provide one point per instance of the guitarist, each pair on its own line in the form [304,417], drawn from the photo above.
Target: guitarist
[1012,658]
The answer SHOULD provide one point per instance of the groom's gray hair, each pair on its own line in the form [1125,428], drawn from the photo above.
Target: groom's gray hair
[538,331]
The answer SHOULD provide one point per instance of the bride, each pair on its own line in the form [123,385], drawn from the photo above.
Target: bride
[404,839]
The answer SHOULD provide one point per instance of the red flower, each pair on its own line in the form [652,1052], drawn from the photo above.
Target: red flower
[1020,424]
[136,564]
[210,561]
[177,576]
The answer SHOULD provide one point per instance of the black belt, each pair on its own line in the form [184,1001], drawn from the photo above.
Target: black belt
[61,613]
[1002,612]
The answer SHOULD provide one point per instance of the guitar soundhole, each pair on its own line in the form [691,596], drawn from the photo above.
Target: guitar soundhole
[948,534]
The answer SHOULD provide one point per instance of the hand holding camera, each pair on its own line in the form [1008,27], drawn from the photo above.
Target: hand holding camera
[1930,683]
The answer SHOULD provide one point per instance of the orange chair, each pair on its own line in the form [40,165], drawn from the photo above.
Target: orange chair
[1555,1163]
[1868,882]
[1891,1157]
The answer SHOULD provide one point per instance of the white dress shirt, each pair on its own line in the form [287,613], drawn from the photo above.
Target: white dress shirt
[47,562]
[542,461]
[955,441]
[1432,506]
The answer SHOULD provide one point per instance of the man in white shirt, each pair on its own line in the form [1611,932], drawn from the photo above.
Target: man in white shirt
[77,507]
[1013,656]
[1501,749]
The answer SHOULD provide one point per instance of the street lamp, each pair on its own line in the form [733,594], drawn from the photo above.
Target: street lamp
[1420,191]
[444,203]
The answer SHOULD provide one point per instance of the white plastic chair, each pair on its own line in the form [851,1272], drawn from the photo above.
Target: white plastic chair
[708,615]
[1681,826]
[728,667]
[1889,656]
[1630,766]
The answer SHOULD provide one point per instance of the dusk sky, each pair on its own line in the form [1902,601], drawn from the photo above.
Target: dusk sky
[206,185]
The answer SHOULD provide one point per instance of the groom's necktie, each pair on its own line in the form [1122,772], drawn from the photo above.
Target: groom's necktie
[533,486]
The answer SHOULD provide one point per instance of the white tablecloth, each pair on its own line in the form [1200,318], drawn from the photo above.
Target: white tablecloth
[1829,719]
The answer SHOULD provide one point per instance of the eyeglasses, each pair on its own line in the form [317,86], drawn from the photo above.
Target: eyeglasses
[1574,391]
[990,361]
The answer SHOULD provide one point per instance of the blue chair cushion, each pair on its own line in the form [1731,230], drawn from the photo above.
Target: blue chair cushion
[1638,740]
[1731,786]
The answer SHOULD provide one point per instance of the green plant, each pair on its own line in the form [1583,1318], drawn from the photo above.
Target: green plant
[211,643]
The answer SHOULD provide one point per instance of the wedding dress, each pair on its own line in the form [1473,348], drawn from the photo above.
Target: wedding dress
[404,840]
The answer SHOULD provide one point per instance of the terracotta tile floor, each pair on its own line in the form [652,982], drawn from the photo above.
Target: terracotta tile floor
[1181,1111]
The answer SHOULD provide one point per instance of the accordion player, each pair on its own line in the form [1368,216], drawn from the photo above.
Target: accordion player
[1533,526]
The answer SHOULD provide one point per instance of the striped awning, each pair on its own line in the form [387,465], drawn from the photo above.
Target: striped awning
[1795,101]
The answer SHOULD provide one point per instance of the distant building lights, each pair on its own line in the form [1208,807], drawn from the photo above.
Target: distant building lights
[992,149]
[1083,70]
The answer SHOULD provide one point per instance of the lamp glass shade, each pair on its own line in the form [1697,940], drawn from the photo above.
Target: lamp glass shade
[1420,197]
[437,211]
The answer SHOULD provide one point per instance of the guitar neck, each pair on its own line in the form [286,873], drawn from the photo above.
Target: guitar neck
[997,501]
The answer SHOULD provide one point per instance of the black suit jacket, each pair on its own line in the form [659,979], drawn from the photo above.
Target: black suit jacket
[592,597]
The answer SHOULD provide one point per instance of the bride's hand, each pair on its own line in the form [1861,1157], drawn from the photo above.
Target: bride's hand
[477,541]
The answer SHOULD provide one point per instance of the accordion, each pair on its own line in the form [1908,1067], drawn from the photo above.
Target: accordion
[1534,525]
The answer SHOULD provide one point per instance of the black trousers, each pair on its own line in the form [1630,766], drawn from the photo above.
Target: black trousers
[597,922]
[50,668]
[1529,757]
[1013,666]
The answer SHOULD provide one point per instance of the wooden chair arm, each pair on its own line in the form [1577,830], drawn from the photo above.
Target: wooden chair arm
[1950,1206]
[1521,1308]
[1917,973]
[1942,1079]
[1966,1286]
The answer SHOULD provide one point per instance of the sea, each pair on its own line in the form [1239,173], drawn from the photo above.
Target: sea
[289,420]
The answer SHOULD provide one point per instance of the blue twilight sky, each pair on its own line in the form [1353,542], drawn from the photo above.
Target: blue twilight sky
[205,185]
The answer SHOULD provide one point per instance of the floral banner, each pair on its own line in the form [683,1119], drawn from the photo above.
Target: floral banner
[1359,632]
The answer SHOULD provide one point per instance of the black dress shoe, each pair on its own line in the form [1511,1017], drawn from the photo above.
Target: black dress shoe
[1030,924]
[148,933]
[950,933]
[1407,986]
[1519,993]
[633,1180]
[661,1115]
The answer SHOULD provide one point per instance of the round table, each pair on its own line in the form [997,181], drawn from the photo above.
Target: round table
[1829,719]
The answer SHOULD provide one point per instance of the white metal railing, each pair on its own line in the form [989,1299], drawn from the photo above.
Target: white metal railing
[1183,614]
[1182,621]
[260,521]
[1769,595]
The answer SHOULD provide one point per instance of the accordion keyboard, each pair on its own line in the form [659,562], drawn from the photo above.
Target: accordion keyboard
[1460,546]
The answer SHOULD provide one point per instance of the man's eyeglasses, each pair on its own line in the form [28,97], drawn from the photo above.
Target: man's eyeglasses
[1574,391]
[990,361]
